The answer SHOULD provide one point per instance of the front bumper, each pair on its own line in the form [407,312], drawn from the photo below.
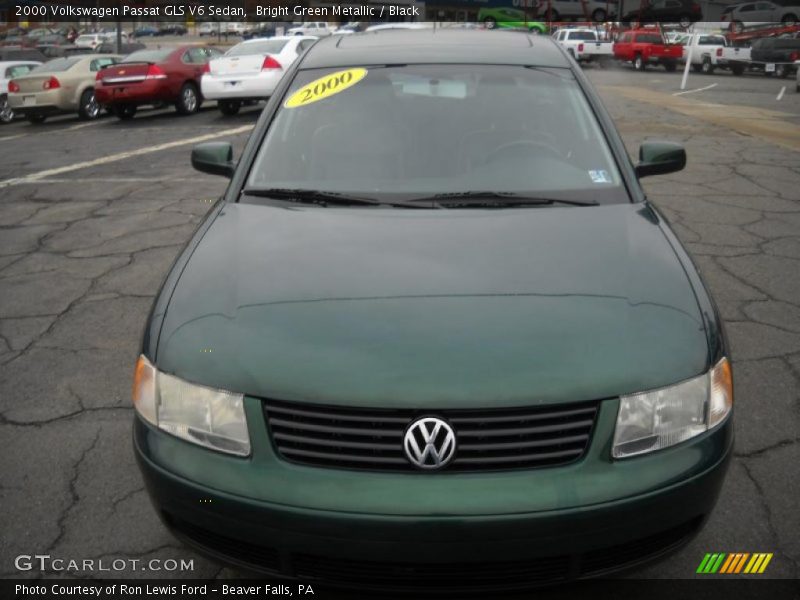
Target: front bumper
[385,530]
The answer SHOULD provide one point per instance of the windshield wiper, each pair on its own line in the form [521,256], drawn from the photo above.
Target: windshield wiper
[324,198]
[481,199]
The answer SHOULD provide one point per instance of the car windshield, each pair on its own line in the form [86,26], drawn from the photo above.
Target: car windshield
[148,56]
[59,64]
[415,131]
[260,47]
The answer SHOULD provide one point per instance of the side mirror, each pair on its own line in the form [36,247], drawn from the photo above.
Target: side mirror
[215,158]
[658,158]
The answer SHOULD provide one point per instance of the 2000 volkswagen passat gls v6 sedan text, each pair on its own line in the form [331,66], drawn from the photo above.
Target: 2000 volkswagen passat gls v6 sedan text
[434,332]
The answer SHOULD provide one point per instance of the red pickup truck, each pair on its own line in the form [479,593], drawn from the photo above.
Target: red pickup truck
[646,46]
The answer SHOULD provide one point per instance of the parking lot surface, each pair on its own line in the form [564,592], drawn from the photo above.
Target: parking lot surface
[92,215]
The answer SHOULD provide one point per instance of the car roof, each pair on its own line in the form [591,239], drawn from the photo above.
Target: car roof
[436,46]
[13,63]
[280,38]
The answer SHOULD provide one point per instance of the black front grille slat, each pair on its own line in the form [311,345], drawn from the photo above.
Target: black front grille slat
[337,443]
[336,429]
[462,433]
[523,417]
[519,445]
[543,456]
[345,457]
[372,439]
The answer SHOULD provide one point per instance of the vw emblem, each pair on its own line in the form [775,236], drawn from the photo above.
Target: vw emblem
[430,443]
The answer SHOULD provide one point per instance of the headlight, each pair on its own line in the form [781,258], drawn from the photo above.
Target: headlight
[205,416]
[657,419]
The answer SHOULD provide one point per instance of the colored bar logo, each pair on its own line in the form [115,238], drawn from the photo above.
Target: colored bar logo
[734,563]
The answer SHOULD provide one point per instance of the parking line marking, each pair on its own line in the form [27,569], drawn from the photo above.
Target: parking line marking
[780,94]
[33,177]
[12,137]
[708,87]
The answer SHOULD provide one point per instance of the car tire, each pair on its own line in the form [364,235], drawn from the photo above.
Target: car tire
[6,114]
[229,107]
[124,112]
[88,108]
[697,68]
[789,20]
[599,15]
[781,71]
[638,63]
[670,66]
[685,21]
[707,67]
[737,70]
[36,119]
[737,26]
[188,101]
[553,15]
[489,23]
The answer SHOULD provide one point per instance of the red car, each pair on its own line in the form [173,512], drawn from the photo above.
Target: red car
[155,77]
[646,46]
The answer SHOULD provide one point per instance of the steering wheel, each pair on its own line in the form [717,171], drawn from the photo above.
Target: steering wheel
[512,148]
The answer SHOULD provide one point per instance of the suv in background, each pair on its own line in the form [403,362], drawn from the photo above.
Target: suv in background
[684,12]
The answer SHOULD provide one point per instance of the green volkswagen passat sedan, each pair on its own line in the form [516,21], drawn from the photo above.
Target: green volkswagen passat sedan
[434,332]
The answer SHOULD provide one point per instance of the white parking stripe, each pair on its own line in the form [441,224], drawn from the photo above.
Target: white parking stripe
[121,156]
[780,94]
[708,87]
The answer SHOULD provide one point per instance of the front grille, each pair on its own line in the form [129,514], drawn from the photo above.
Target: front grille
[370,438]
[399,575]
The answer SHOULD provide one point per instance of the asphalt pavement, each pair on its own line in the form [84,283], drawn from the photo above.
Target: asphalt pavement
[93,214]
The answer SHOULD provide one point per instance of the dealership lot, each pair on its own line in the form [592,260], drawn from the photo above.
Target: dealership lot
[92,214]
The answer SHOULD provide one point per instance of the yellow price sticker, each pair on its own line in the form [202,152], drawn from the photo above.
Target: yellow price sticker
[322,88]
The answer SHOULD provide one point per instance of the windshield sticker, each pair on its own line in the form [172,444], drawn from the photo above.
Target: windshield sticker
[322,88]
[600,176]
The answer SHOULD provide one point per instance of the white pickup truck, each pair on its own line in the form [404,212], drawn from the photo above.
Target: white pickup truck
[584,45]
[707,51]
[316,28]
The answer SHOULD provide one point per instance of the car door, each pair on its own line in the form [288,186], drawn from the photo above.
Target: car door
[193,60]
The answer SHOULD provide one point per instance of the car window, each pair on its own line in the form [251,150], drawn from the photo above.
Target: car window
[151,56]
[18,70]
[195,56]
[59,64]
[99,63]
[648,38]
[419,130]
[259,47]
[583,35]
[303,44]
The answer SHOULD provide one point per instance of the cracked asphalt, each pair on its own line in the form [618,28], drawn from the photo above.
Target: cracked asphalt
[83,250]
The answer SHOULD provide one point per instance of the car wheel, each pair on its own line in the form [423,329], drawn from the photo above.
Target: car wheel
[789,20]
[36,119]
[535,30]
[670,66]
[707,67]
[125,112]
[737,69]
[638,63]
[553,15]
[599,15]
[188,100]
[781,71]
[490,23]
[737,26]
[88,108]
[697,68]
[685,21]
[6,114]
[229,107]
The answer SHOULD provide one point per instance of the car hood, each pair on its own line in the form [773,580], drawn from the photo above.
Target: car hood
[433,308]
